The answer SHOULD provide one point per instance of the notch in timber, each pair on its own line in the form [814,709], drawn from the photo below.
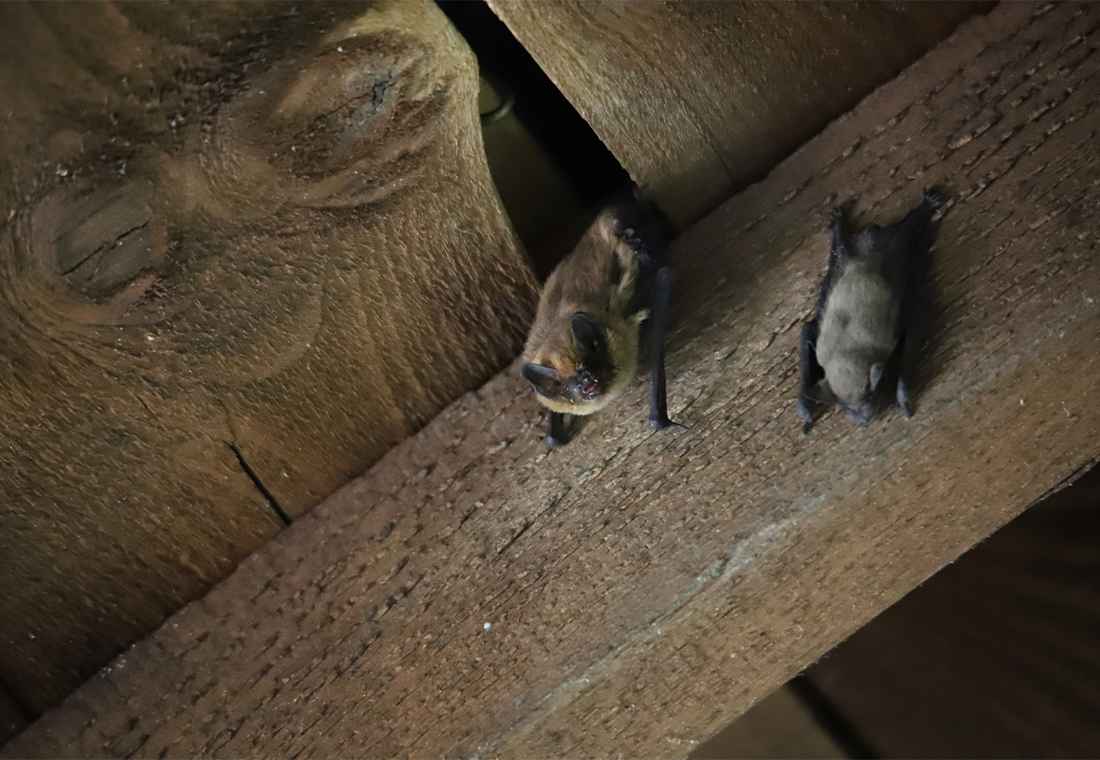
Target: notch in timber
[271,500]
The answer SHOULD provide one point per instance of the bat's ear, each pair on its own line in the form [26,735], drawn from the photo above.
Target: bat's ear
[589,339]
[877,370]
[545,380]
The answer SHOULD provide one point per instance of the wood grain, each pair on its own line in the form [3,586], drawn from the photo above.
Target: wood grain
[478,594]
[245,249]
[996,656]
[699,99]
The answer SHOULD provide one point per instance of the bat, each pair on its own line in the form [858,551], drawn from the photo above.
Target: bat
[872,317]
[585,345]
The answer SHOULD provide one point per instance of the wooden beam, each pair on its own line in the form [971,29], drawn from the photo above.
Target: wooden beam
[699,99]
[244,250]
[478,594]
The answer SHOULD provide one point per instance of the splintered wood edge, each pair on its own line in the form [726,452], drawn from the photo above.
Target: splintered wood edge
[477,594]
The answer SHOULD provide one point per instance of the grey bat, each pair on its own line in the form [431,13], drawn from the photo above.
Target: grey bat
[585,344]
[873,315]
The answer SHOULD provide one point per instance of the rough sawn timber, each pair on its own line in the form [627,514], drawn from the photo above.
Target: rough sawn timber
[244,250]
[696,100]
[478,594]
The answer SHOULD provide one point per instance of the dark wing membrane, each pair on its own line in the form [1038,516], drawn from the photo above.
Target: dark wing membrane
[906,250]
[906,247]
[810,374]
[645,229]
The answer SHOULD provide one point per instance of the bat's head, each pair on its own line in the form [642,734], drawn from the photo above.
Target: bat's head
[589,377]
[851,385]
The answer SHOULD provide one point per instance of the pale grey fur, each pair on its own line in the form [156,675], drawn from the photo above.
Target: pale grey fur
[858,329]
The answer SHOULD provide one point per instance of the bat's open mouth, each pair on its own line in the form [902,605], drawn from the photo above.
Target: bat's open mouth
[590,390]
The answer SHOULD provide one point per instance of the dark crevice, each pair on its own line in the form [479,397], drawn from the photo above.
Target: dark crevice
[271,500]
[549,153]
[25,712]
[830,719]
[588,165]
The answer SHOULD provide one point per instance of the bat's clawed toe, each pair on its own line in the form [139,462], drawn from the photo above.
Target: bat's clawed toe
[903,398]
[933,198]
[660,423]
[906,408]
[805,412]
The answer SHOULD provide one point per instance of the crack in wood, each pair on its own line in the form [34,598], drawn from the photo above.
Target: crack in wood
[102,251]
[271,500]
[515,536]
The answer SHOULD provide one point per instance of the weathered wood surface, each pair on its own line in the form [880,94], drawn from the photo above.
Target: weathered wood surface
[699,99]
[996,656]
[238,242]
[477,593]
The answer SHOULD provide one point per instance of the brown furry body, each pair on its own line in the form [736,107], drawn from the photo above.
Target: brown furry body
[859,328]
[873,314]
[598,279]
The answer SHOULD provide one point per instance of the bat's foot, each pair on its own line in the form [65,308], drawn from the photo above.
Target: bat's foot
[660,423]
[805,412]
[903,398]
[556,435]
[836,219]
[933,199]
[806,408]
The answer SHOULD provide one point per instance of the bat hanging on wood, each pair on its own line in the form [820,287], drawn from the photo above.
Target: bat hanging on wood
[872,317]
[585,344]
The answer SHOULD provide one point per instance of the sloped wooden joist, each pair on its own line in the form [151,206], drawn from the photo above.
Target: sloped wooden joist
[478,594]
[696,100]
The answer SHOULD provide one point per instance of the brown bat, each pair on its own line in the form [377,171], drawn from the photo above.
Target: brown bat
[872,316]
[585,345]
